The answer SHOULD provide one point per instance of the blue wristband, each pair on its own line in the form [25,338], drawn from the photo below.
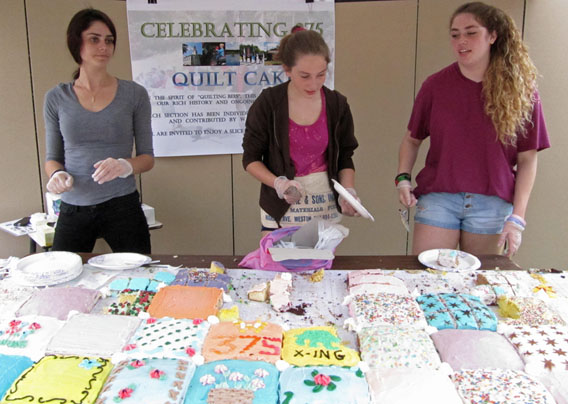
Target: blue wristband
[516,220]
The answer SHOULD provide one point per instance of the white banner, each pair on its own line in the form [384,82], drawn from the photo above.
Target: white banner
[204,62]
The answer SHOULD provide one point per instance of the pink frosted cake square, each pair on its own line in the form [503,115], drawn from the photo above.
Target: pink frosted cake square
[59,302]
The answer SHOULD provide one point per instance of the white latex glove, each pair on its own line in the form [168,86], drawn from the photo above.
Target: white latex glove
[513,234]
[60,182]
[346,208]
[405,194]
[289,190]
[109,169]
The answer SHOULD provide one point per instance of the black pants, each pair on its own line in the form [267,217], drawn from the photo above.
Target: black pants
[119,221]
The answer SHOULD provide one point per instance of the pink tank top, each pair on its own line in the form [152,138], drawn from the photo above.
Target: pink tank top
[308,144]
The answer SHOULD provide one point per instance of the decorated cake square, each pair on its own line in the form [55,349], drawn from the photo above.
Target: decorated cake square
[430,281]
[246,340]
[448,258]
[492,284]
[235,382]
[373,282]
[168,337]
[527,311]
[370,310]
[195,277]
[11,367]
[544,350]
[323,385]
[12,299]
[453,310]
[412,386]
[386,347]
[93,335]
[186,302]
[147,381]
[483,386]
[474,349]
[280,290]
[59,302]
[28,335]
[131,302]
[61,380]
[315,346]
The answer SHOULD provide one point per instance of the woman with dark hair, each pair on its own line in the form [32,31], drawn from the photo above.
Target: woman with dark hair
[485,122]
[92,124]
[299,136]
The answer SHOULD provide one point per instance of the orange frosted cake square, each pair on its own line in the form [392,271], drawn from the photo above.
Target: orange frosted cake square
[186,302]
[245,340]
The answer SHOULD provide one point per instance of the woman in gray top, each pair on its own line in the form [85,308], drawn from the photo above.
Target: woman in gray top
[92,124]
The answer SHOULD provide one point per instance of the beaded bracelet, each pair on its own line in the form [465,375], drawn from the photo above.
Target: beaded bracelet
[402,177]
[517,220]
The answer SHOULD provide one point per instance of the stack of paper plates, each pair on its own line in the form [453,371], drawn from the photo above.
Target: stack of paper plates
[49,268]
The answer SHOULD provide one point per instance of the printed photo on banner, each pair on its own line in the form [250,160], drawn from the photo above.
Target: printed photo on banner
[205,62]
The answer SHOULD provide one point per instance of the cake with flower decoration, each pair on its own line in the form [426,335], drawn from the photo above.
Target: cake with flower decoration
[61,380]
[234,381]
[318,345]
[168,338]
[323,384]
[28,335]
[148,381]
[246,340]
[131,302]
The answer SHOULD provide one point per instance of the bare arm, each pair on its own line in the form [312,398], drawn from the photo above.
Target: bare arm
[526,174]
[406,158]
[141,163]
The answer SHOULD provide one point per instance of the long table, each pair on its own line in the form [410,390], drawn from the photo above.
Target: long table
[340,262]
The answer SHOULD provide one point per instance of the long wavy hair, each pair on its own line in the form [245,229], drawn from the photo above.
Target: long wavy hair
[509,83]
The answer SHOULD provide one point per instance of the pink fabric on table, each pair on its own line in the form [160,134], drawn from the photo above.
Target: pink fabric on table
[308,144]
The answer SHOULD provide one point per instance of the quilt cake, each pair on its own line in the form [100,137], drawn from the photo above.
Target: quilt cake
[169,338]
[246,340]
[454,310]
[318,345]
[483,386]
[11,367]
[195,277]
[186,302]
[235,382]
[425,282]
[61,380]
[505,283]
[28,335]
[59,302]
[323,385]
[412,386]
[131,302]
[93,335]
[142,283]
[370,310]
[387,347]
[147,381]
[474,349]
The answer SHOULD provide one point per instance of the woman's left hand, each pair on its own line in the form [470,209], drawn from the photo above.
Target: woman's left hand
[346,208]
[109,169]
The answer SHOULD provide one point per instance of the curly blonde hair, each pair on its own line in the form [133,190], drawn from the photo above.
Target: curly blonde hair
[509,83]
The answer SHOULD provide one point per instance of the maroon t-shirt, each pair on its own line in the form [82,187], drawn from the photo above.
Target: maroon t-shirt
[465,154]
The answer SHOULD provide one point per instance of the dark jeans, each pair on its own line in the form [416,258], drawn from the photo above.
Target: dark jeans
[119,221]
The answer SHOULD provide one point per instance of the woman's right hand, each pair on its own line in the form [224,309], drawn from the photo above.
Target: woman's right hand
[405,194]
[60,182]
[289,190]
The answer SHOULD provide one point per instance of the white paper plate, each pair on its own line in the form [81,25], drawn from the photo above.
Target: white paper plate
[48,268]
[119,261]
[467,262]
[351,199]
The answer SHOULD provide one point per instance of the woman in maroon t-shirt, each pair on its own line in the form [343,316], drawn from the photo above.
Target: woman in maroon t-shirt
[485,124]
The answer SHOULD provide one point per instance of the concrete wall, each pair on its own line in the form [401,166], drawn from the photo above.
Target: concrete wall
[208,204]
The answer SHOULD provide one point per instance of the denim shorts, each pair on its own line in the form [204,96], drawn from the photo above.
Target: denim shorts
[474,213]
